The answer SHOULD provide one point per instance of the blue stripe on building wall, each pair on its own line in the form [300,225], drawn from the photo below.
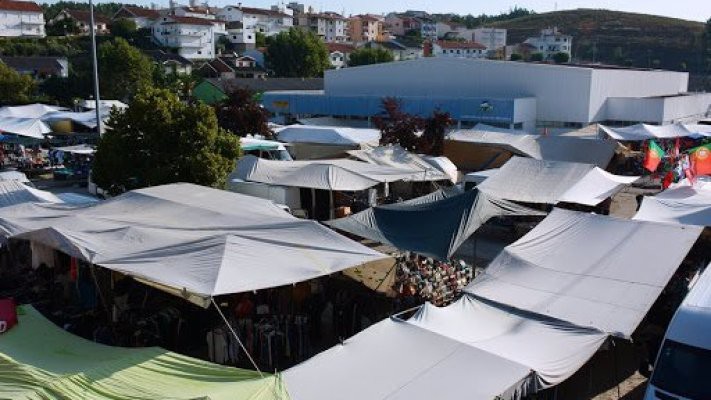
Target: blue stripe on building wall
[466,109]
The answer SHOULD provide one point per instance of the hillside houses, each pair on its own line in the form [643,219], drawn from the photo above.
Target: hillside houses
[21,19]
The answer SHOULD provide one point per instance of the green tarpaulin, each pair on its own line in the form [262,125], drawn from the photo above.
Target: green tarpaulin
[38,360]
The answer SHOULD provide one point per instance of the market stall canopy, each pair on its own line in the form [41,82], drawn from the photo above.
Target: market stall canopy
[39,360]
[345,175]
[82,149]
[397,157]
[190,240]
[433,226]
[331,135]
[32,111]
[590,270]
[14,176]
[641,132]
[682,203]
[550,182]
[84,118]
[105,104]
[250,143]
[16,192]
[480,176]
[27,127]
[496,352]
[553,148]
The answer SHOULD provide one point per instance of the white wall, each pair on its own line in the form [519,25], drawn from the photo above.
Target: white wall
[659,110]
[608,83]
[192,41]
[562,93]
[21,23]
[492,38]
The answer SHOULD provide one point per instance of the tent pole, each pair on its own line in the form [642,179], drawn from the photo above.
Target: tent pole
[212,299]
[331,214]
[313,203]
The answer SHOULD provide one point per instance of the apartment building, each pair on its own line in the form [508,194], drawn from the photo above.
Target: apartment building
[192,37]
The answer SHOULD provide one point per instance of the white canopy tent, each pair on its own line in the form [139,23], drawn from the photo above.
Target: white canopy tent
[14,176]
[397,157]
[552,148]
[32,111]
[190,240]
[641,132]
[14,192]
[682,203]
[591,270]
[345,175]
[550,182]
[537,314]
[84,118]
[332,135]
[82,149]
[27,127]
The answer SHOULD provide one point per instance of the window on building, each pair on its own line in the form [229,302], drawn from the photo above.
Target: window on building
[444,51]
[199,51]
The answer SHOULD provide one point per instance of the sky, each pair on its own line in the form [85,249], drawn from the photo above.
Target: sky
[696,10]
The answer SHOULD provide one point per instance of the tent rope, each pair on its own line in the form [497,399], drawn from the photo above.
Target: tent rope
[234,333]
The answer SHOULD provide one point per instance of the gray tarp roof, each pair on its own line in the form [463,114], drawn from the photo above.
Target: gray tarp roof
[345,175]
[190,240]
[539,312]
[397,157]
[553,148]
[549,182]
[434,226]
[588,269]
[641,132]
[680,204]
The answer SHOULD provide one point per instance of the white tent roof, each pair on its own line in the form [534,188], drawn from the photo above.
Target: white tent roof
[468,350]
[15,192]
[644,132]
[29,111]
[347,175]
[480,176]
[190,240]
[250,142]
[682,203]
[85,118]
[105,104]
[78,149]
[28,127]
[553,148]
[588,269]
[551,182]
[397,157]
[14,176]
[336,135]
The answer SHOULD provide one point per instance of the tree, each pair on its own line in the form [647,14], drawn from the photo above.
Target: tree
[536,57]
[241,114]
[707,44]
[260,40]
[298,54]
[14,88]
[516,57]
[366,56]
[64,27]
[123,28]
[159,140]
[561,57]
[123,69]
[413,133]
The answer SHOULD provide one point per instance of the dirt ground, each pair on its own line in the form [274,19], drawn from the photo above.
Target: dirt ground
[631,388]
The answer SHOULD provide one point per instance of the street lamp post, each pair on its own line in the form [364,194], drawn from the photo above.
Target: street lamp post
[95,67]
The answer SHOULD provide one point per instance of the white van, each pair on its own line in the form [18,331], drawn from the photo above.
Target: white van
[683,367]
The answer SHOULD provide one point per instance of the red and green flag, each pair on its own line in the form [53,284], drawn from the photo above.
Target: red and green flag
[653,156]
[700,158]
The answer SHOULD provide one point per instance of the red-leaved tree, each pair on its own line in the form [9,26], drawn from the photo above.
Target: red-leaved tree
[242,114]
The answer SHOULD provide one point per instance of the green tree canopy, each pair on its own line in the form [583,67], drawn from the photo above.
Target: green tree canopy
[64,27]
[516,57]
[298,54]
[561,58]
[159,140]
[366,56]
[123,69]
[241,114]
[15,88]
[536,57]
[123,28]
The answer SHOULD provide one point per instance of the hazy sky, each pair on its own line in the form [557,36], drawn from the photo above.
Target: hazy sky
[698,10]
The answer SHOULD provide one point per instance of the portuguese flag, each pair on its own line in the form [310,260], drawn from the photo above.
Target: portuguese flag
[700,158]
[653,157]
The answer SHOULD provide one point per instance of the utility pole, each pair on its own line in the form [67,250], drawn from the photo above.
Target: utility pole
[95,66]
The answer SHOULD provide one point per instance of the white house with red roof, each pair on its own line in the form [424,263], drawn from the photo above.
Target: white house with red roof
[142,17]
[192,37]
[21,18]
[458,49]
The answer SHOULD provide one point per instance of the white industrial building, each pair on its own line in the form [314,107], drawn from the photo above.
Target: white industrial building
[527,96]
[21,18]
